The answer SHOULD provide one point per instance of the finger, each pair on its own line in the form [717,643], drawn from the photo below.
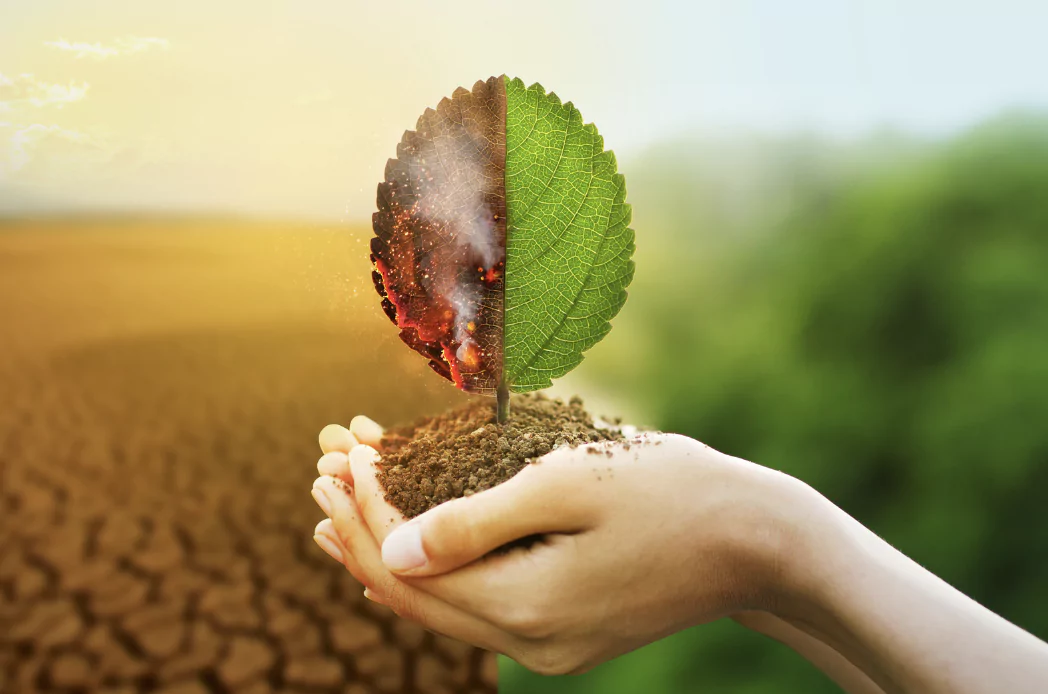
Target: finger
[366,431]
[340,503]
[380,516]
[372,596]
[335,464]
[324,490]
[469,590]
[335,437]
[466,589]
[322,536]
[540,499]
[328,540]
[358,544]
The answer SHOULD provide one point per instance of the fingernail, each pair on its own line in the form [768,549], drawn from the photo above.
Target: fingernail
[402,550]
[334,437]
[322,501]
[365,429]
[332,463]
[329,546]
[363,455]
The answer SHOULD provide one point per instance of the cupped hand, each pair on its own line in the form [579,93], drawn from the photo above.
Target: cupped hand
[634,541]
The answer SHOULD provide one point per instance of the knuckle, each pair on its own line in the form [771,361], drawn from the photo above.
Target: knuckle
[401,599]
[450,533]
[581,667]
[548,660]
[526,620]
[468,530]
[385,585]
[363,502]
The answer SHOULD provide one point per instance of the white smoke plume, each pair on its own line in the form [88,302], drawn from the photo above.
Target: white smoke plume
[449,182]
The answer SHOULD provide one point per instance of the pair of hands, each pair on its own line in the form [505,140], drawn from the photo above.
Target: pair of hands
[636,545]
[654,538]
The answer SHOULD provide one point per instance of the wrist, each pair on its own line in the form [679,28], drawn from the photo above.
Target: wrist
[831,567]
[817,546]
[789,541]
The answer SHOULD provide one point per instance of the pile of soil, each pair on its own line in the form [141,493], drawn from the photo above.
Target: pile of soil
[464,451]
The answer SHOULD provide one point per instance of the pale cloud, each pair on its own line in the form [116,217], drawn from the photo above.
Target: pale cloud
[101,51]
[25,89]
[28,142]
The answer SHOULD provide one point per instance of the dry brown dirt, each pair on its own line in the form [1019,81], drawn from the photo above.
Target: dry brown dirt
[465,450]
[162,384]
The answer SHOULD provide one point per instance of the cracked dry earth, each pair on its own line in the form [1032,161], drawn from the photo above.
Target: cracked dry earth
[162,385]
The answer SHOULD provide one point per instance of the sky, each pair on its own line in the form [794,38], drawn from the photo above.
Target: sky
[291,108]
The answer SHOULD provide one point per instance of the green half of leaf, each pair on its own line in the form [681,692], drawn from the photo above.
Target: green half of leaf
[568,241]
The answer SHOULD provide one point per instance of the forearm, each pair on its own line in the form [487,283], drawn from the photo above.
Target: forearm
[834,665]
[904,627]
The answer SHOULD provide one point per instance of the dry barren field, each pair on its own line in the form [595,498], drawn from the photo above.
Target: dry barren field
[162,383]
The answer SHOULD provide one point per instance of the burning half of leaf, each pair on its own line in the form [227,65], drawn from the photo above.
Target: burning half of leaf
[439,250]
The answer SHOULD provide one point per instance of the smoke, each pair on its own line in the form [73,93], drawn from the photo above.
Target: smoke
[451,187]
[450,178]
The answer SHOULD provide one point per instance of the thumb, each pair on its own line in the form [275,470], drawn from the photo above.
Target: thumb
[462,530]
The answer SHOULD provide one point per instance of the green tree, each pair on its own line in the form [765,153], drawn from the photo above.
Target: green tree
[877,325]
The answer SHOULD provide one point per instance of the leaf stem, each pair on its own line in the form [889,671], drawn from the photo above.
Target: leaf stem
[503,402]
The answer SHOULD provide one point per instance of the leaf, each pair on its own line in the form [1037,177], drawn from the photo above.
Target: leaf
[502,243]
[440,229]
[568,242]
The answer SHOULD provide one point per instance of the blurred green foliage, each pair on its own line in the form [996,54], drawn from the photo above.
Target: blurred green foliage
[871,318]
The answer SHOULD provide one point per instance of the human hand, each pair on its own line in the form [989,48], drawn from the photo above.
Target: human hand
[656,537]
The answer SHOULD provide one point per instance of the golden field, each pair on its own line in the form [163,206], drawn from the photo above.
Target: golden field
[163,382]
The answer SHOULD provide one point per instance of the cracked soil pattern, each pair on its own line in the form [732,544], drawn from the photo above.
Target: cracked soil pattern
[162,386]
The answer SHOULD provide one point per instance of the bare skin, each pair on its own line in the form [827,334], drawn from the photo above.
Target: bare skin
[643,554]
